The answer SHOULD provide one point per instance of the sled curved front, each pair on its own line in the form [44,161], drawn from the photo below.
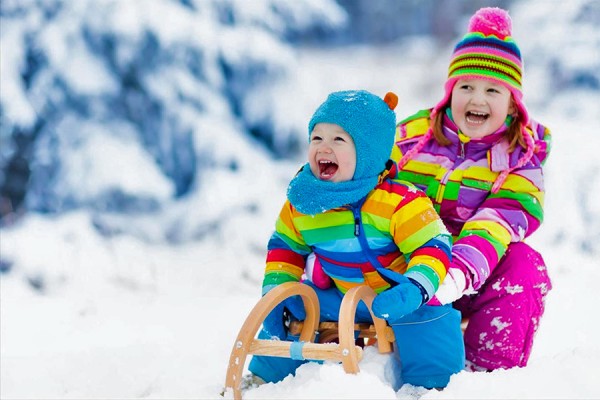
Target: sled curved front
[246,344]
[345,352]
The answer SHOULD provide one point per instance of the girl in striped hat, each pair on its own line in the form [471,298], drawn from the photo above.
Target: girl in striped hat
[479,157]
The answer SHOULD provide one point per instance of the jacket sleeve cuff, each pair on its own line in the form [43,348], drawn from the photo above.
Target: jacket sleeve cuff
[424,285]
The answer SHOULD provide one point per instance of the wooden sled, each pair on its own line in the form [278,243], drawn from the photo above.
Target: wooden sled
[346,351]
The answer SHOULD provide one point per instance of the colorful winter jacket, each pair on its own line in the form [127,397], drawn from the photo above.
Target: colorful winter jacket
[458,178]
[394,227]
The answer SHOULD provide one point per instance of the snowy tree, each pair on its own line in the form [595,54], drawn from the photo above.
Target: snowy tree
[92,87]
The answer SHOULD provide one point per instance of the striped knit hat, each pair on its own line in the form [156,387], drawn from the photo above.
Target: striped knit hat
[488,52]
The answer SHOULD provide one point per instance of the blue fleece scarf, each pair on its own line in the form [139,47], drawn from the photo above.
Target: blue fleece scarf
[311,196]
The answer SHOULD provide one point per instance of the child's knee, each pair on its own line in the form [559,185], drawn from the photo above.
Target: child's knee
[430,345]
[522,269]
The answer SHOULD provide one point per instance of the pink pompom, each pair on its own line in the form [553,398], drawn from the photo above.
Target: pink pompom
[491,21]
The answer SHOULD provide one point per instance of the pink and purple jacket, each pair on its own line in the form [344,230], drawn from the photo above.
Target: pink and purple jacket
[458,179]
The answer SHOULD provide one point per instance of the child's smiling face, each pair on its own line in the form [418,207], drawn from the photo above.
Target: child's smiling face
[331,153]
[479,107]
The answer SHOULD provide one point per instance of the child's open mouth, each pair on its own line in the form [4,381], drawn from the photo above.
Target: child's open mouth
[327,169]
[473,117]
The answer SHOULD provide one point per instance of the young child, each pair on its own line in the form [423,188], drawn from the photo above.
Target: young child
[364,228]
[479,158]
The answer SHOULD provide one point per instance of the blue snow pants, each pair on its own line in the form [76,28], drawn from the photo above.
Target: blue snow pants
[429,345]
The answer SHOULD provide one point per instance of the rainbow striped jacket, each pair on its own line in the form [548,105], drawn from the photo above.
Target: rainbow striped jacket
[394,227]
[458,178]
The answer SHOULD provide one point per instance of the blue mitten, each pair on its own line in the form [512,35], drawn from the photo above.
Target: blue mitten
[295,305]
[274,324]
[399,300]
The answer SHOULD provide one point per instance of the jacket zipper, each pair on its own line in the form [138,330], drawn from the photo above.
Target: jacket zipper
[359,232]
[439,196]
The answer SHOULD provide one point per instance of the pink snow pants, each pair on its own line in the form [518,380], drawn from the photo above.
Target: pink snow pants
[505,313]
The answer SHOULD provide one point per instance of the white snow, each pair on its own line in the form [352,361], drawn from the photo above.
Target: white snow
[120,317]
[499,325]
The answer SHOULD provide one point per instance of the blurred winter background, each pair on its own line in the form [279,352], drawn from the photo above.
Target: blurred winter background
[145,148]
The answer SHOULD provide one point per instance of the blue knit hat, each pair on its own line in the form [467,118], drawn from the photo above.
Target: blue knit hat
[369,120]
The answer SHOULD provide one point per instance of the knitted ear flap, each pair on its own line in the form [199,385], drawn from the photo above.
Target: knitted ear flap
[391,100]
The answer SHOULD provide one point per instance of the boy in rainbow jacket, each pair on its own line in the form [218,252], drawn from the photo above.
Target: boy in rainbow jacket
[364,228]
[479,157]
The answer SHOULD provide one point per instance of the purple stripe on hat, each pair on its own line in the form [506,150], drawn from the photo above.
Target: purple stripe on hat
[484,49]
[477,39]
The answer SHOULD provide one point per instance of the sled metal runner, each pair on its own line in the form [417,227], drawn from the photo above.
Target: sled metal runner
[346,351]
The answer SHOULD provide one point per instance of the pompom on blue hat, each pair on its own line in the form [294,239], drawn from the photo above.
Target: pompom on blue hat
[369,120]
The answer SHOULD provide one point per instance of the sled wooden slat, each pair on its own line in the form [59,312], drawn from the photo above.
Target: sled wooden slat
[365,330]
[346,351]
[310,351]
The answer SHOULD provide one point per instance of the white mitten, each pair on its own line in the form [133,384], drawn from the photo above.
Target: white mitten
[454,286]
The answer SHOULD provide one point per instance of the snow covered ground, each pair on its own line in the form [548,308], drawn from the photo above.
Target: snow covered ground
[86,315]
